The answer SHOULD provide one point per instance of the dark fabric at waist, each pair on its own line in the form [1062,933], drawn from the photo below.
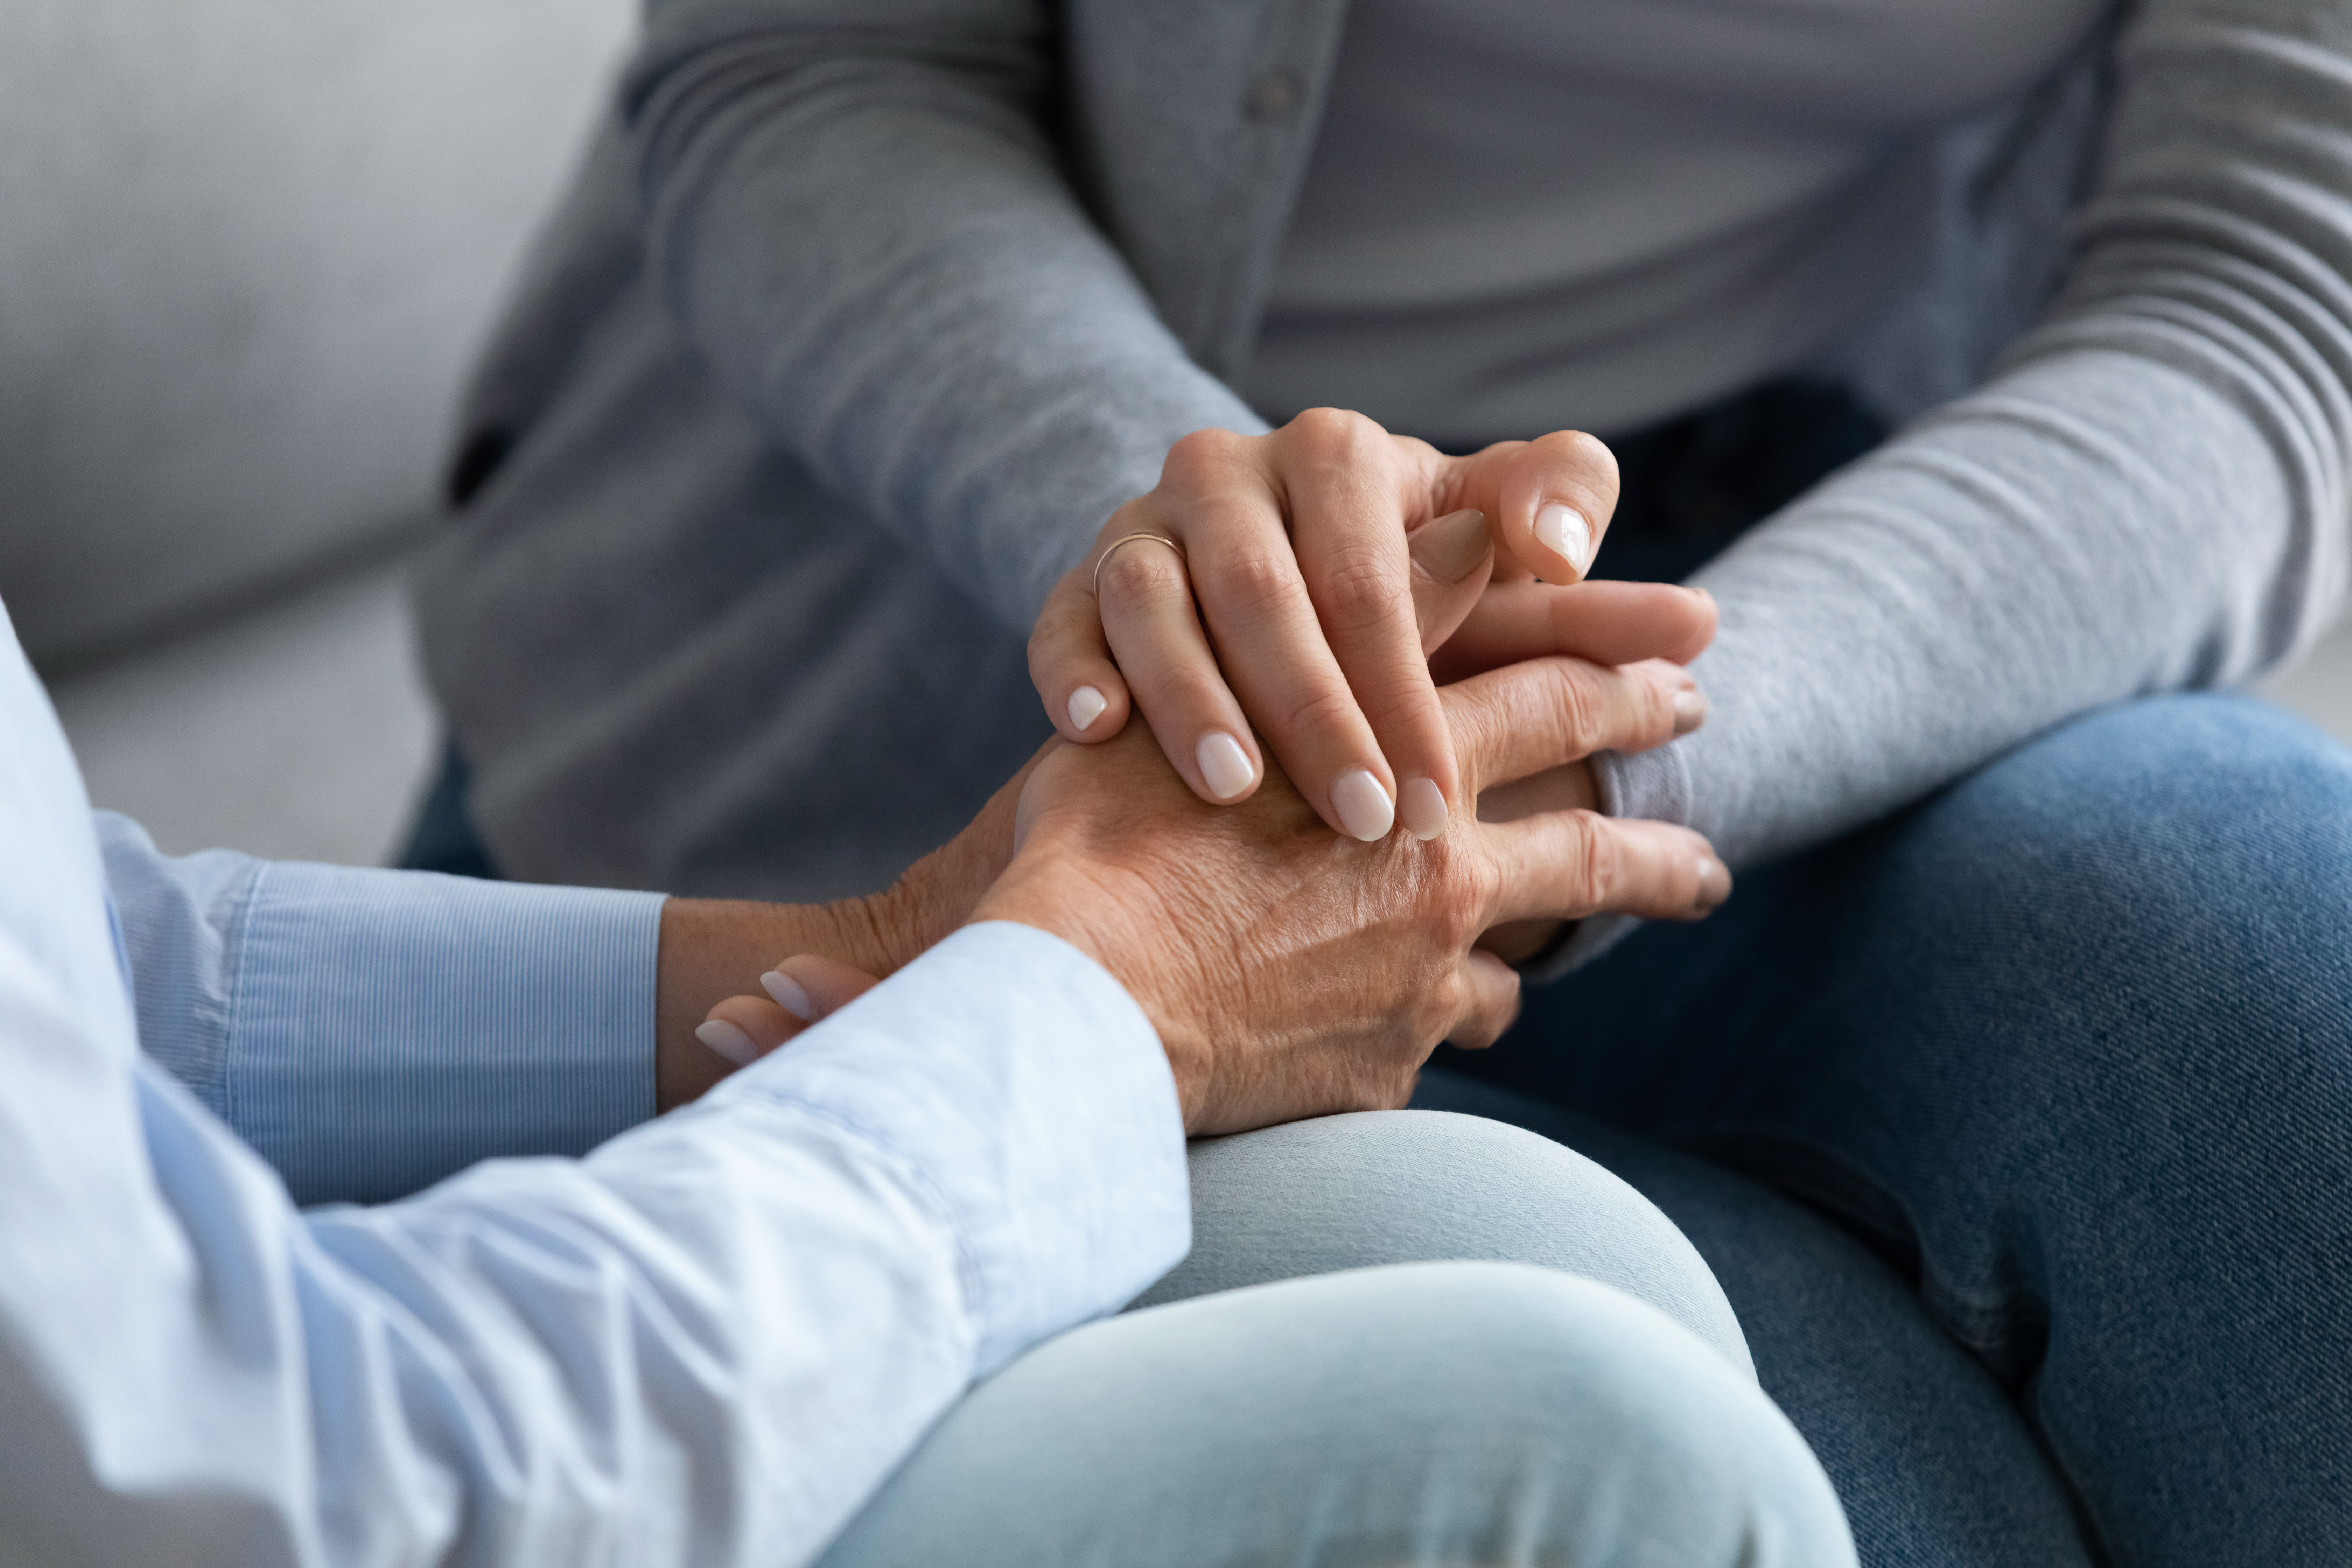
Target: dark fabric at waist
[1692,484]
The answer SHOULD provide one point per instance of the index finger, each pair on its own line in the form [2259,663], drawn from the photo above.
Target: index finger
[1566,865]
[1349,508]
[1525,717]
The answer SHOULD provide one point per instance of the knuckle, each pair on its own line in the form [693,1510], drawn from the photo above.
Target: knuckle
[1335,450]
[1061,623]
[1251,579]
[1471,721]
[1318,708]
[1473,909]
[1331,433]
[1582,715]
[1045,642]
[1357,587]
[1140,573]
[1654,705]
[1601,870]
[1464,901]
[1197,461]
[1190,694]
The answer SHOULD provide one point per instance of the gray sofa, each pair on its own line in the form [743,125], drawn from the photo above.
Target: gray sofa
[245,249]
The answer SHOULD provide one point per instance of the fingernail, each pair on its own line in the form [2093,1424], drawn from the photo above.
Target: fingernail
[1363,807]
[1713,882]
[1449,548]
[1690,710]
[1225,766]
[727,1040]
[1087,705]
[788,994]
[1423,805]
[1562,530]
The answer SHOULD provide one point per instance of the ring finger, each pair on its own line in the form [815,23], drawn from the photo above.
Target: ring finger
[1163,655]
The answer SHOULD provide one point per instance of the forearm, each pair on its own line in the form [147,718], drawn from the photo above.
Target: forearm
[856,218]
[1973,586]
[712,949]
[369,1032]
[707,1342]
[2151,494]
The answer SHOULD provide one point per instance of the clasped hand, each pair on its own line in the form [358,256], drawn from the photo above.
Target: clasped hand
[1291,971]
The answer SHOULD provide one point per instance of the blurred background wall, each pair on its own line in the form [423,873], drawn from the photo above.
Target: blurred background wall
[247,251]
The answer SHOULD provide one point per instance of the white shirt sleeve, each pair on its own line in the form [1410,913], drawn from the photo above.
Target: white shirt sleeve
[706,1341]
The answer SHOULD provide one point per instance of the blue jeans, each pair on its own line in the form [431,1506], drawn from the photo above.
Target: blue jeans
[2063,1056]
[1569,1387]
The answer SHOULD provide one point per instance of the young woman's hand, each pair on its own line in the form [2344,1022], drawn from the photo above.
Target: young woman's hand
[1325,561]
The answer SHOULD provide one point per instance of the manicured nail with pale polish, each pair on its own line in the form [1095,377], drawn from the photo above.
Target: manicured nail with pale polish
[1562,530]
[1225,766]
[1087,705]
[1421,804]
[1362,807]
[1713,882]
[1690,710]
[727,1040]
[788,994]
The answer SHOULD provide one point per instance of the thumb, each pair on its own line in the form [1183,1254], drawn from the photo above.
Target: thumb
[1453,557]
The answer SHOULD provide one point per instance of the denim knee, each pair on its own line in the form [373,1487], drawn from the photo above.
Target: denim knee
[1690,1441]
[1409,1186]
[1429,1414]
[2160,893]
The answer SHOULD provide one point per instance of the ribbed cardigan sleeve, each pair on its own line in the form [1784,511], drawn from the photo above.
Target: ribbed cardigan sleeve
[854,213]
[2147,494]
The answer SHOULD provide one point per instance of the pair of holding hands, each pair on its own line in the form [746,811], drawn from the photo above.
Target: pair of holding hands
[1369,610]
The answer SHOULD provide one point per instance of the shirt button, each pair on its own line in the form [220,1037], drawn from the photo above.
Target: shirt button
[1271,96]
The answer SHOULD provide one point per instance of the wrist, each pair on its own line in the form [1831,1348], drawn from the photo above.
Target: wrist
[1072,903]
[712,949]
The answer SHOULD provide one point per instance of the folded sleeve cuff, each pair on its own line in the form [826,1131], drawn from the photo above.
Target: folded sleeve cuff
[1030,1098]
[386,1029]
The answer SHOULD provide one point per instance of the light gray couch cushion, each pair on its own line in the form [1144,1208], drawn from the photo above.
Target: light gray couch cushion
[246,247]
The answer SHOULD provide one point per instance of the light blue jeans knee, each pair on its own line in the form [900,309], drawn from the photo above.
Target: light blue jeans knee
[1401,1338]
[1453,1413]
[1417,1186]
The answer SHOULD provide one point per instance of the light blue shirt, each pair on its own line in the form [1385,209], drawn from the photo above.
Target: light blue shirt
[702,1339]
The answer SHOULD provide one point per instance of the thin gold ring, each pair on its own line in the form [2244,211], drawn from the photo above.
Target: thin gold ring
[1130,539]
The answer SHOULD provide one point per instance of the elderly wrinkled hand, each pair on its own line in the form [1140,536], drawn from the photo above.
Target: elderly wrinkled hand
[1290,973]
